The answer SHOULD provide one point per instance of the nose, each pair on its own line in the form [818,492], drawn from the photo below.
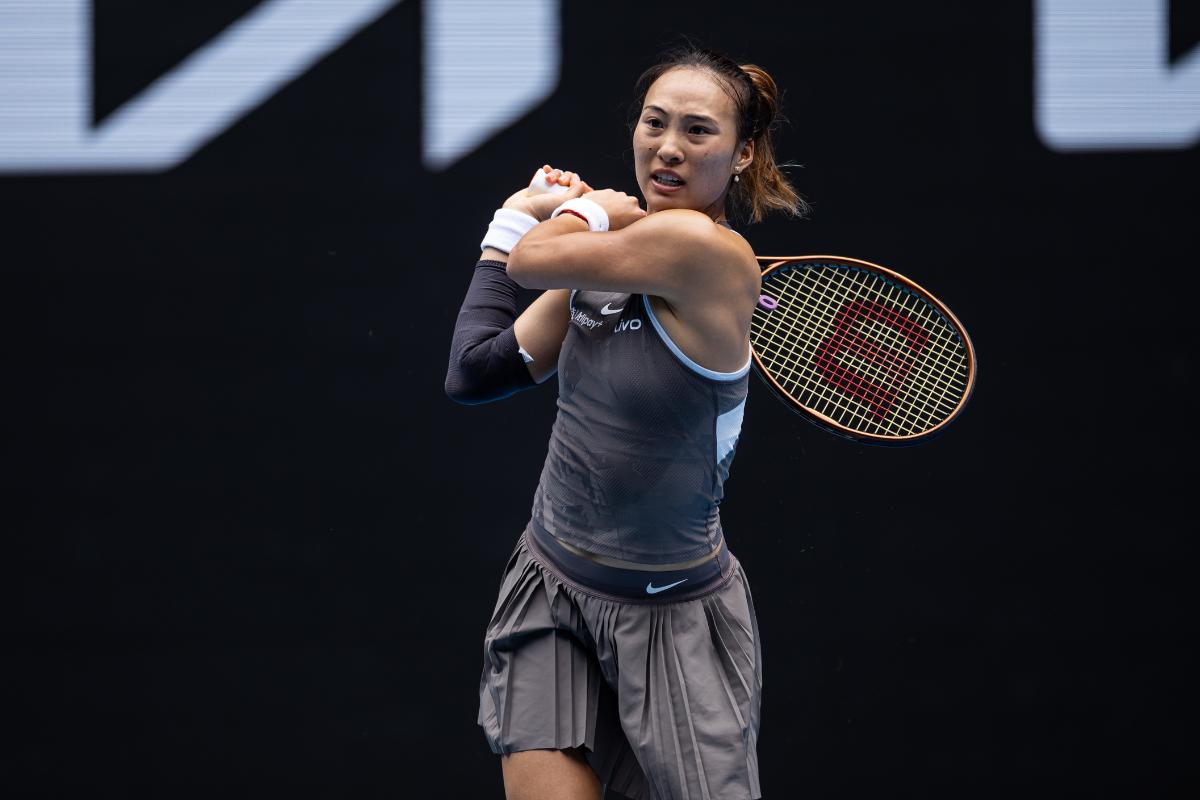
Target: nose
[669,151]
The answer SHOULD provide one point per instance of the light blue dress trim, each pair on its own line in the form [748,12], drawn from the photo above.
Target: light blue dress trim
[729,425]
[674,348]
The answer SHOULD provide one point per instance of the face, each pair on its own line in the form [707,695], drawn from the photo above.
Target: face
[687,126]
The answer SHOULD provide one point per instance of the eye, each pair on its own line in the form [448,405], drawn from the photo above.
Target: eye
[651,120]
[699,128]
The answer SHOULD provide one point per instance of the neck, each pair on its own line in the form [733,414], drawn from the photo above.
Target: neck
[717,216]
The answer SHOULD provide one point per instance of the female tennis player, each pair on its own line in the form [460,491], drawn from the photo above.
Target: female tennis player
[623,650]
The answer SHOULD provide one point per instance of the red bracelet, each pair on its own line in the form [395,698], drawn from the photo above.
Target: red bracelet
[577,214]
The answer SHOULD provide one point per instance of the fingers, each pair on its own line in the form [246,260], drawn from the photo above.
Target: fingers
[577,187]
[548,174]
[561,177]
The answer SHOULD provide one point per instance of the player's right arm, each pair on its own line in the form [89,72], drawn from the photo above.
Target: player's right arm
[494,353]
[541,328]
[540,331]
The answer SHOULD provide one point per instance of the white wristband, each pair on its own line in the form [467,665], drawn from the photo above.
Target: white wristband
[593,212]
[507,228]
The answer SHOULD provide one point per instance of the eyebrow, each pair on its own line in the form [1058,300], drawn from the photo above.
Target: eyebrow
[701,117]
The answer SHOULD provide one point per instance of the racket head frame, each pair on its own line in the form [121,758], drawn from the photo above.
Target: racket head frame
[773,263]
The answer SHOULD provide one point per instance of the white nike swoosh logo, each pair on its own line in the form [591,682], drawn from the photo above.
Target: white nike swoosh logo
[609,310]
[652,589]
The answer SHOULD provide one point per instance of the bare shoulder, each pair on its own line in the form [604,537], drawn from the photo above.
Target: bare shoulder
[724,259]
[707,313]
[742,258]
[691,230]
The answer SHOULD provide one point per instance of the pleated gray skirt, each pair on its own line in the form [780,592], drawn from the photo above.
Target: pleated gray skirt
[664,696]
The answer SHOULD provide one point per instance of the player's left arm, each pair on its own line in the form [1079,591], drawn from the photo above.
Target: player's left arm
[674,254]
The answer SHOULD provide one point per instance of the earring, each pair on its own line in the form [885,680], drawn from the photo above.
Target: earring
[735,177]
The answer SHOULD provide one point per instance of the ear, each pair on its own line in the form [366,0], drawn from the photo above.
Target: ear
[744,156]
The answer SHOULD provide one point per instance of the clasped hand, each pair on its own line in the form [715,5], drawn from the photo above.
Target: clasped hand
[622,209]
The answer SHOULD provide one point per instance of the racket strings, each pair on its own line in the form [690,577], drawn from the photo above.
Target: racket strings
[932,369]
[833,397]
[827,396]
[800,373]
[860,350]
[831,401]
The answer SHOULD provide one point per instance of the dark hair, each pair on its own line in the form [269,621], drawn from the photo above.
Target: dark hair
[762,187]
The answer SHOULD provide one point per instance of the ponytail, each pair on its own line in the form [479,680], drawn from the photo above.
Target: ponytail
[763,187]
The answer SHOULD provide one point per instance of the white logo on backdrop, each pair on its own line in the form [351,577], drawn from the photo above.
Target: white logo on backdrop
[487,63]
[1104,80]
[472,87]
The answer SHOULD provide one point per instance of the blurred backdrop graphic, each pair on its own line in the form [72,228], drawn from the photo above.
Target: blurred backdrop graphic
[251,546]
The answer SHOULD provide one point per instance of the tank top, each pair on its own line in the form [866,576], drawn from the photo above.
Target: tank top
[643,439]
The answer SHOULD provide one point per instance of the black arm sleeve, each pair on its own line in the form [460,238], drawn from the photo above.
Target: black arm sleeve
[485,360]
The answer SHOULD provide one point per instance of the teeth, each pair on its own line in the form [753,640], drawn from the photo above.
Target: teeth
[665,179]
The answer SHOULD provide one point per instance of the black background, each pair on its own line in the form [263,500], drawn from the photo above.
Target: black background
[252,547]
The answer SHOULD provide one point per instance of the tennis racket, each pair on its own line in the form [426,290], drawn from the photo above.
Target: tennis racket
[860,350]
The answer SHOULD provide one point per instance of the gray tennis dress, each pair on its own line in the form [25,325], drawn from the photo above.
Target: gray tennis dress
[624,625]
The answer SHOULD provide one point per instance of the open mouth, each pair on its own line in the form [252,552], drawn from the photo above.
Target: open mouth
[666,181]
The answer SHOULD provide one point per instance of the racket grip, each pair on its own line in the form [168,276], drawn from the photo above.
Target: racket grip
[539,186]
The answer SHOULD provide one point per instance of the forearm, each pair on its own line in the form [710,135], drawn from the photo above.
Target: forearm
[485,360]
[536,240]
